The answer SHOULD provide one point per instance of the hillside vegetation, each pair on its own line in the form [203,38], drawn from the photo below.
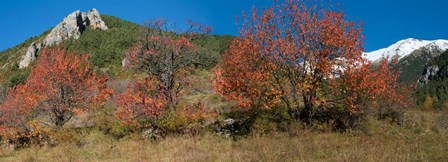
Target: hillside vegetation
[435,93]
[422,138]
[106,49]
[412,66]
[154,92]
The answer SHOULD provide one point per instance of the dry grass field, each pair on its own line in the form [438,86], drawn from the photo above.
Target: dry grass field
[423,137]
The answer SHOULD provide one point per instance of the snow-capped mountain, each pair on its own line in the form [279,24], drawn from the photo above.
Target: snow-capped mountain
[405,47]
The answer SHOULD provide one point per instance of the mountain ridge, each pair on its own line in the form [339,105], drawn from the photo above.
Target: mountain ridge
[405,47]
[106,48]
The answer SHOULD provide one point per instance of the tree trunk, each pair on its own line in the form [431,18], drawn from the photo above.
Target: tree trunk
[306,114]
[59,119]
[167,78]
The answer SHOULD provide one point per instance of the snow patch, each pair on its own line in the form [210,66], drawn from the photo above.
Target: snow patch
[405,47]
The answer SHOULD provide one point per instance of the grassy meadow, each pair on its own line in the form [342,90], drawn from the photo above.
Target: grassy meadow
[421,139]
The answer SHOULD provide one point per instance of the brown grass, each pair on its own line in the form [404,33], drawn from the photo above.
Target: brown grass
[417,140]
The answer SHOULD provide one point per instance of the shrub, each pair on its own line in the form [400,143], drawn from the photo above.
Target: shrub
[189,118]
[18,78]
[264,124]
[428,103]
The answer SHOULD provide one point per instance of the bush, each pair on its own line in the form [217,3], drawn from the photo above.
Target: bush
[395,116]
[118,130]
[172,122]
[107,122]
[264,124]
[428,103]
[188,118]
[18,78]
[257,121]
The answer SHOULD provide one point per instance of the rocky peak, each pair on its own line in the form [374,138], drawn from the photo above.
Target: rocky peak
[95,21]
[70,28]
[74,25]
[438,46]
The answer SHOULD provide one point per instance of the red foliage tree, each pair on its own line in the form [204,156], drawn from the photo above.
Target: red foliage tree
[61,85]
[365,87]
[15,113]
[301,55]
[163,53]
[142,100]
[243,76]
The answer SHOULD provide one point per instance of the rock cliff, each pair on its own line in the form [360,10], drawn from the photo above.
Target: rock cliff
[71,27]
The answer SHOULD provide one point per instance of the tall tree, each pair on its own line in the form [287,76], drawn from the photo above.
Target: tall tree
[301,54]
[163,52]
[61,85]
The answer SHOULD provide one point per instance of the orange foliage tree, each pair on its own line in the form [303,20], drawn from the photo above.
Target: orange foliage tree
[304,56]
[163,53]
[142,100]
[60,85]
[15,112]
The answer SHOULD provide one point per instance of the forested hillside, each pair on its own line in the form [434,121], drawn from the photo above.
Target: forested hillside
[412,66]
[106,49]
[434,93]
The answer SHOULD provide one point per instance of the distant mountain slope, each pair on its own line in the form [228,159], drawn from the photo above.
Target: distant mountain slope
[405,47]
[411,66]
[412,55]
[106,48]
[433,82]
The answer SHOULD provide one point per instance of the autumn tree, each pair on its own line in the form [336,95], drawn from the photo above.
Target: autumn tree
[304,56]
[142,100]
[163,52]
[15,112]
[60,85]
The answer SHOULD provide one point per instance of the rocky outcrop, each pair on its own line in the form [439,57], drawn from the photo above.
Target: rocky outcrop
[231,127]
[70,28]
[95,21]
[153,133]
[125,62]
[429,73]
[73,25]
[30,55]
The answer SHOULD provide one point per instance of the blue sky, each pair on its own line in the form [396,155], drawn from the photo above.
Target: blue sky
[385,21]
